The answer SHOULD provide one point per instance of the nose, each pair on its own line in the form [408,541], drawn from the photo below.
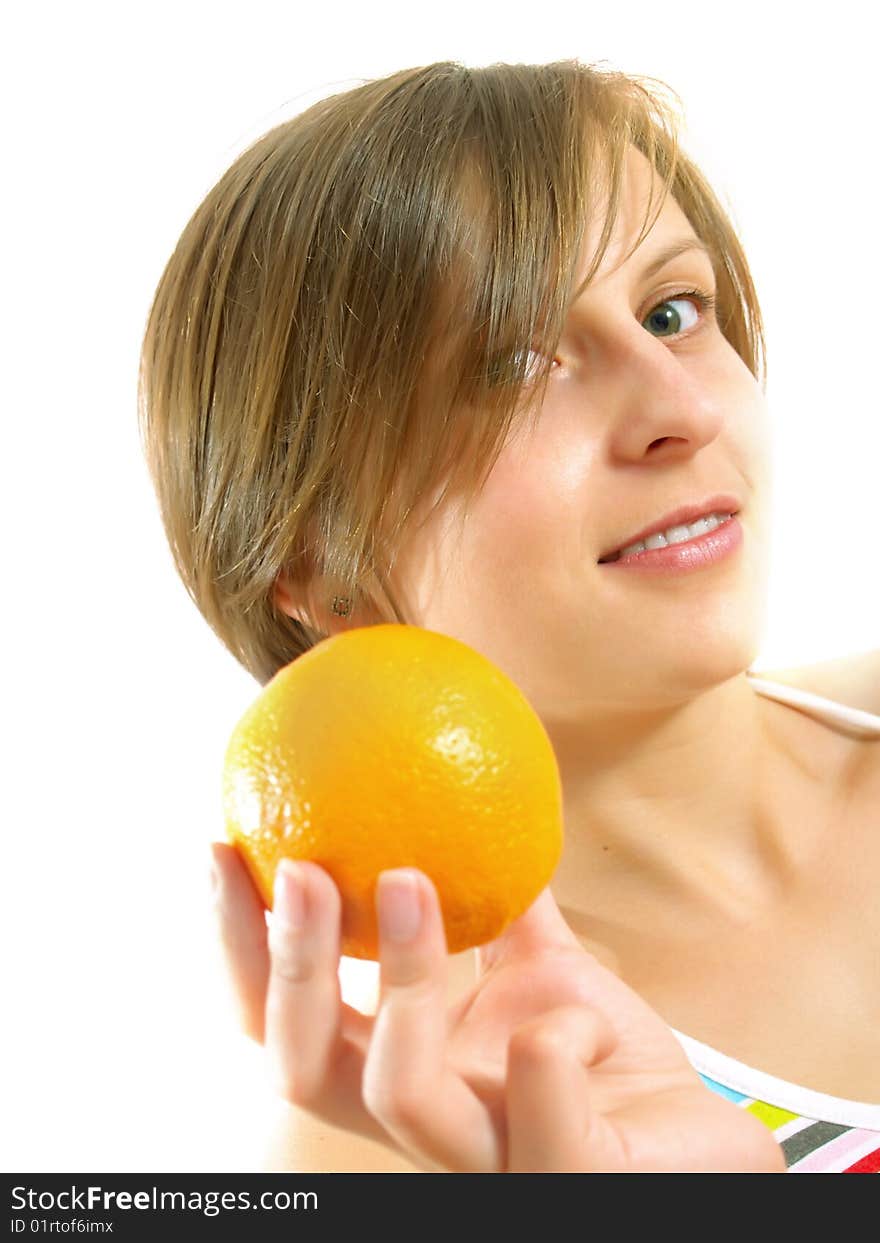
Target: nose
[659,409]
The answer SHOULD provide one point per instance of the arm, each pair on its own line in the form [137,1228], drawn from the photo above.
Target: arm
[302,1144]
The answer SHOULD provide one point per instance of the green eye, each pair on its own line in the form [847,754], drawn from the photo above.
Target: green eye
[669,322]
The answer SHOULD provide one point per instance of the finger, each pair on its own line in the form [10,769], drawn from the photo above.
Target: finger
[428,1109]
[553,1125]
[304,1002]
[540,927]
[242,924]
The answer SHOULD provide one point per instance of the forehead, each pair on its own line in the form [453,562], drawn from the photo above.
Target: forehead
[640,190]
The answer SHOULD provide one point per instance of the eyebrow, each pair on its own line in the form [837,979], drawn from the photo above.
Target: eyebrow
[672,252]
[664,256]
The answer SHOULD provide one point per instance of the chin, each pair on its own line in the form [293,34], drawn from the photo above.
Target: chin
[667,674]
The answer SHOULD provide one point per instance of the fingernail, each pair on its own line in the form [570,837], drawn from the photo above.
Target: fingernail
[290,895]
[400,908]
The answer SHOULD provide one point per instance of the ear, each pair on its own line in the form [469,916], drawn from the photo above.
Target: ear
[320,606]
[299,602]
[286,600]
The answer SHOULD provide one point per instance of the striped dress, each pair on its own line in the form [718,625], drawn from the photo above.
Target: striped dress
[818,1134]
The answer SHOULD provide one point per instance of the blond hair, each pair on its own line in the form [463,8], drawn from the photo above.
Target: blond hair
[344,323]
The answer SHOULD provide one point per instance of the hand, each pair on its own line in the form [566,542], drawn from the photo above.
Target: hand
[549,1063]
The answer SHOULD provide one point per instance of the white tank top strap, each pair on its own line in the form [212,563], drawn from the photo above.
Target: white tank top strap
[865,724]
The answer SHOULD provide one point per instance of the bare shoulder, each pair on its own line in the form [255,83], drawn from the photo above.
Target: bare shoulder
[851,680]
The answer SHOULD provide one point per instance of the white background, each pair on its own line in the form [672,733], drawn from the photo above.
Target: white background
[119,1047]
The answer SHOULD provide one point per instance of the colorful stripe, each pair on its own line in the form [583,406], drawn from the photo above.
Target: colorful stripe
[809,1145]
[869,1164]
[838,1154]
[731,1095]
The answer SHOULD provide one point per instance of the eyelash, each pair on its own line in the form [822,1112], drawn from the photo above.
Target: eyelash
[706,302]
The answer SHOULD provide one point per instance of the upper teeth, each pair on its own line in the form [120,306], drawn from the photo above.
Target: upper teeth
[676,535]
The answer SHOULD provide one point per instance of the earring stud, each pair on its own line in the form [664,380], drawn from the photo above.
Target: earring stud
[341,606]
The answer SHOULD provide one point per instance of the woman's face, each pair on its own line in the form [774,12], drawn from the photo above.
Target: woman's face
[638,420]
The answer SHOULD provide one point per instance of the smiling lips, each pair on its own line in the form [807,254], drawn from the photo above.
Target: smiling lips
[684,556]
[721,505]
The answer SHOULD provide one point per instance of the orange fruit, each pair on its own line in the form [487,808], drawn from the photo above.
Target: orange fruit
[394,746]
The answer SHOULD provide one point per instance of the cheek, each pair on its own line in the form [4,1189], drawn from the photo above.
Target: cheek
[535,500]
[747,427]
[754,441]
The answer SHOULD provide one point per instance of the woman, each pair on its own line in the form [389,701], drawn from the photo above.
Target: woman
[439,350]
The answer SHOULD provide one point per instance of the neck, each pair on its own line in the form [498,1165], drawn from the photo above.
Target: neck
[699,802]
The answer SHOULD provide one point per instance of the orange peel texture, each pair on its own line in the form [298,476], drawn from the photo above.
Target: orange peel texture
[395,746]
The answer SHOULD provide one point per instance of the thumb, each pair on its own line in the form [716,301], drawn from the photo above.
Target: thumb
[542,926]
